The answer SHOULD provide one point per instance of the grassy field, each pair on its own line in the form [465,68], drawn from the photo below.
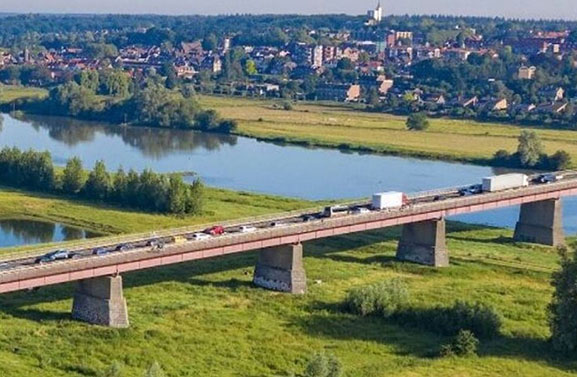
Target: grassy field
[340,126]
[10,93]
[206,319]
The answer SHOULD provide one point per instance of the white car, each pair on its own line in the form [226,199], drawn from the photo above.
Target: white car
[247,229]
[200,236]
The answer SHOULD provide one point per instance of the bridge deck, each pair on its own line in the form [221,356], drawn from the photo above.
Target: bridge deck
[28,275]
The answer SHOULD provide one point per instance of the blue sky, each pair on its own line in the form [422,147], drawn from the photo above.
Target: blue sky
[509,8]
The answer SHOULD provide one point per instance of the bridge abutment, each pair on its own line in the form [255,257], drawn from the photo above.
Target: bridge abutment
[424,243]
[281,269]
[541,222]
[100,301]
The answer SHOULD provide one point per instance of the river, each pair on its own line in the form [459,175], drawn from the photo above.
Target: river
[246,164]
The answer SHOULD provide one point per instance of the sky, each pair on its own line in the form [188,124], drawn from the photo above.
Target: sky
[566,9]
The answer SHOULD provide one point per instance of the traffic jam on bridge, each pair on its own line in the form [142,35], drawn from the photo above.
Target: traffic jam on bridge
[388,201]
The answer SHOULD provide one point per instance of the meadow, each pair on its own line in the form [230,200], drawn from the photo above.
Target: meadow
[10,93]
[206,318]
[345,127]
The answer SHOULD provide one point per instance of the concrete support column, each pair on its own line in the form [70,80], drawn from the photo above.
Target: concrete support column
[281,269]
[100,301]
[541,222]
[424,243]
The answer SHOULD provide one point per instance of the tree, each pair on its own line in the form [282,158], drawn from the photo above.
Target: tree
[250,67]
[563,307]
[73,176]
[177,195]
[195,198]
[561,160]
[323,365]
[530,148]
[417,122]
[210,43]
[98,185]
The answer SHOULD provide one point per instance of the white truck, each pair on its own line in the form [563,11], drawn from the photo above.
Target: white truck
[389,200]
[505,182]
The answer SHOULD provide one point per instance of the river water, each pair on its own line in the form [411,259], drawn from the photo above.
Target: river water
[241,163]
[15,232]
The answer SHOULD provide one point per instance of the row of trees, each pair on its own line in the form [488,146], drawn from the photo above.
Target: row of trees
[145,191]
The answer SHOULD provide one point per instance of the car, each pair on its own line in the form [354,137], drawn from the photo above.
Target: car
[124,247]
[439,198]
[200,236]
[54,256]
[547,178]
[177,240]
[276,224]
[471,190]
[100,251]
[216,230]
[155,244]
[361,210]
[307,218]
[247,229]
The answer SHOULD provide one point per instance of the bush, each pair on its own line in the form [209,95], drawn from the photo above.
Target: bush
[323,365]
[417,122]
[561,160]
[287,106]
[383,298]
[464,344]
[480,319]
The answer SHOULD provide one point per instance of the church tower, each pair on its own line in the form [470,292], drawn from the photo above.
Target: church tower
[376,15]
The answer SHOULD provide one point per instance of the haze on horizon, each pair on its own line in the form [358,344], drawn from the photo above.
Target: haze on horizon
[560,9]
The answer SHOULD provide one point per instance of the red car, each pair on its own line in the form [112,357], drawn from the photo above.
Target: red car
[215,230]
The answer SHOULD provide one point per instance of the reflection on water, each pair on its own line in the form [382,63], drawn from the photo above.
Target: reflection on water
[241,163]
[16,232]
[152,142]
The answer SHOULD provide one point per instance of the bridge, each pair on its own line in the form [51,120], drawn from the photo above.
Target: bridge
[99,294]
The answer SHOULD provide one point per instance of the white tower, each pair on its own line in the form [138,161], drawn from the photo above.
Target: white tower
[376,15]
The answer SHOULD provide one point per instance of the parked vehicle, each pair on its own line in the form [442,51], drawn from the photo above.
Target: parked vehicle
[54,256]
[100,251]
[335,211]
[247,229]
[215,230]
[389,200]
[200,236]
[505,182]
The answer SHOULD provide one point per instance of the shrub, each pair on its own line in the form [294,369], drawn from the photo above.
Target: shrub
[464,344]
[323,365]
[417,122]
[383,298]
[287,106]
[480,319]
[561,160]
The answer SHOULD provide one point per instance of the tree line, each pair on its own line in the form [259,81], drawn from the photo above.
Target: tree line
[148,191]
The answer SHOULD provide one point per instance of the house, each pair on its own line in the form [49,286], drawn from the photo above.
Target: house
[380,83]
[338,92]
[469,102]
[523,108]
[526,73]
[435,99]
[554,94]
[494,104]
[552,108]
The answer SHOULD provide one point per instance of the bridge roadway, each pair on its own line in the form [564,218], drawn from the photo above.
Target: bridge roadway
[20,274]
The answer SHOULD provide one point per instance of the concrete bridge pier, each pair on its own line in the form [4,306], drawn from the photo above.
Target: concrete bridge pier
[541,222]
[100,301]
[424,243]
[281,269]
